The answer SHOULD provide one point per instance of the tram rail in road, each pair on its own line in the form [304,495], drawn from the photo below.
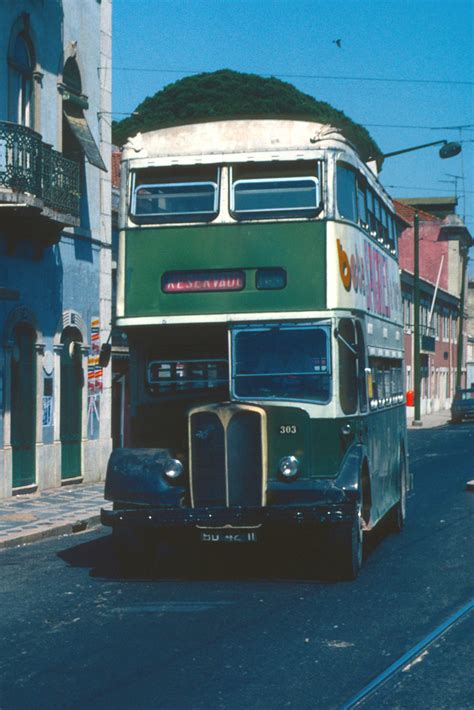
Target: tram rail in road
[411,655]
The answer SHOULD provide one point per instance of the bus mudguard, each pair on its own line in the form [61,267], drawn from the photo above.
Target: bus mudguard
[349,478]
[138,476]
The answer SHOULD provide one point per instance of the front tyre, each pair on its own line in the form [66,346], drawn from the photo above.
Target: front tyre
[344,548]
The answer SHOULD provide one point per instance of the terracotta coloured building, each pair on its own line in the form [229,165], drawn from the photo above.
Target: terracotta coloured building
[443,243]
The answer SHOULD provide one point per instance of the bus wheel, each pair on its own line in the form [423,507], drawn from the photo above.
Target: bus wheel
[398,512]
[347,548]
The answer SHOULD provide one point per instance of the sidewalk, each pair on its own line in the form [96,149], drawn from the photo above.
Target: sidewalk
[26,518]
[429,421]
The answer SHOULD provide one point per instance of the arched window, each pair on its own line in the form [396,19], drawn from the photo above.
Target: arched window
[77,137]
[21,64]
[72,77]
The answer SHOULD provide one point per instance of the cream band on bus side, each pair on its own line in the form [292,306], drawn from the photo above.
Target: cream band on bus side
[361,274]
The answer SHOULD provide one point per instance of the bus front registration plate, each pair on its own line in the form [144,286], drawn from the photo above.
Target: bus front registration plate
[228,536]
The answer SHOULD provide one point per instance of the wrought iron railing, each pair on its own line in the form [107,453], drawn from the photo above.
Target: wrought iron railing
[61,182]
[31,166]
[427,336]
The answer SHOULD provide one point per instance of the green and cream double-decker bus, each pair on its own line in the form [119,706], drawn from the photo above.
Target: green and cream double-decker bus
[260,292]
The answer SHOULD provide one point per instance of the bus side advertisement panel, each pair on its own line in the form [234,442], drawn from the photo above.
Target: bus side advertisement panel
[361,275]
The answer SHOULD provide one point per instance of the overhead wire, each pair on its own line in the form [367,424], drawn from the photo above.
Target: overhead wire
[306,76]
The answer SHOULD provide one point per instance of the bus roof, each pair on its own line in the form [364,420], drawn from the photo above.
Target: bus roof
[236,136]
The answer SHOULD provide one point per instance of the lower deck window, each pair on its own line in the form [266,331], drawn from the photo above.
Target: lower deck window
[282,362]
[386,382]
[169,376]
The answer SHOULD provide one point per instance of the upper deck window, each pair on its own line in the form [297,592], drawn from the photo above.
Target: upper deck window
[346,192]
[177,194]
[275,190]
[290,362]
[357,202]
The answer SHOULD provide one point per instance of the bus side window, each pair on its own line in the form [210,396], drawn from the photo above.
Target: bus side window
[385,236]
[361,368]
[371,213]
[387,385]
[348,382]
[380,385]
[391,234]
[378,219]
[346,193]
[361,203]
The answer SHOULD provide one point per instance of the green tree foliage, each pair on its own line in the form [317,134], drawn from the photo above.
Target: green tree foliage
[227,94]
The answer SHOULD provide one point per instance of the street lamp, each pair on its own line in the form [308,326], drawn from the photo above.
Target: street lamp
[448,150]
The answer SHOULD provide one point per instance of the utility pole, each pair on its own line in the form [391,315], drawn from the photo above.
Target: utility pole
[416,297]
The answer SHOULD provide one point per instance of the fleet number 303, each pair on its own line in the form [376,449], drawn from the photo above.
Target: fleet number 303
[288,429]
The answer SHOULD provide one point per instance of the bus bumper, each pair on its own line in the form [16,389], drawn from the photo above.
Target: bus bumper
[219,517]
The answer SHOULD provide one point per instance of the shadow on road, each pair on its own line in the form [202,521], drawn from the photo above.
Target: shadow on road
[288,559]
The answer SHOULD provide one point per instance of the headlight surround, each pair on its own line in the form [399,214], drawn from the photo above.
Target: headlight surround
[174,469]
[289,467]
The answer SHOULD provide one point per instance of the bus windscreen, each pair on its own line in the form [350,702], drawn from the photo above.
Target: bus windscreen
[284,362]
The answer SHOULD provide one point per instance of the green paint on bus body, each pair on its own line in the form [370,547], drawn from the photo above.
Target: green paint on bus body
[297,247]
[320,446]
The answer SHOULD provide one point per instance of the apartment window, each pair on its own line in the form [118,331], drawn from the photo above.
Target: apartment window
[445,326]
[407,320]
[20,70]
[454,329]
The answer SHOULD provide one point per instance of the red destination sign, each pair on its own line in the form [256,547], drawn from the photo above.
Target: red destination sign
[195,281]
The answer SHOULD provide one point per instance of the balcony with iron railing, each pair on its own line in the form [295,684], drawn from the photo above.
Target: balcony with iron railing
[427,336]
[36,181]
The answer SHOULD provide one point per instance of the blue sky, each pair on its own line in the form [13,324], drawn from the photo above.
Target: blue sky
[427,46]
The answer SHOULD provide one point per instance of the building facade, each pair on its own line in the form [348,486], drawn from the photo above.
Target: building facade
[470,334]
[55,242]
[443,244]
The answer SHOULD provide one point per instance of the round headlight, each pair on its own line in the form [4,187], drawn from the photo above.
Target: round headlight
[174,469]
[289,466]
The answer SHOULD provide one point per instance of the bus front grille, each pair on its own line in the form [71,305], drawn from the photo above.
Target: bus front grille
[227,446]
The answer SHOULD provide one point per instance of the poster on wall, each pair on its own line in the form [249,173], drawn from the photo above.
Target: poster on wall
[94,381]
[47,411]
[94,371]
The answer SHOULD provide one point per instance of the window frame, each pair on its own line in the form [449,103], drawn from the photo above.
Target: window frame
[177,385]
[277,212]
[179,217]
[386,374]
[21,82]
[325,326]
[350,169]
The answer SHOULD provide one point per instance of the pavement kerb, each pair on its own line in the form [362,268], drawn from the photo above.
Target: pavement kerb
[51,530]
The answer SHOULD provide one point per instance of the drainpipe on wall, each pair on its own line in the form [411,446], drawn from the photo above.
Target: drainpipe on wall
[461,316]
